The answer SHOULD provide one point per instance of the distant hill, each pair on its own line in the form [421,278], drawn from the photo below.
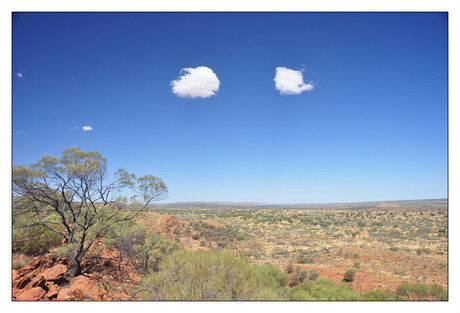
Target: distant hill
[393,205]
[209,204]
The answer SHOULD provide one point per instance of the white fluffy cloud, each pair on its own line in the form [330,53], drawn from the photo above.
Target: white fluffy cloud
[87,128]
[290,82]
[196,82]
[19,75]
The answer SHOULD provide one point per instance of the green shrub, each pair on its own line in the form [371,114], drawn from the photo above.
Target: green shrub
[21,263]
[306,260]
[294,281]
[289,268]
[313,275]
[421,291]
[349,275]
[212,275]
[195,236]
[35,239]
[403,289]
[436,290]
[381,295]
[298,277]
[324,290]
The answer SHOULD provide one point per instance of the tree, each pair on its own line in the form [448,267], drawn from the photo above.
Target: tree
[73,197]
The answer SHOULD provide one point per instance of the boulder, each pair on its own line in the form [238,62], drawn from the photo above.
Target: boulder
[35,263]
[65,294]
[53,291]
[16,292]
[54,273]
[80,287]
[37,281]
[85,286]
[21,282]
[33,294]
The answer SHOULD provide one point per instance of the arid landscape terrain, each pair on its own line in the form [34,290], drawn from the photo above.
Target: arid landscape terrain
[385,244]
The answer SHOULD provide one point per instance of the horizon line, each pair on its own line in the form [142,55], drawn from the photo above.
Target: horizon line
[299,203]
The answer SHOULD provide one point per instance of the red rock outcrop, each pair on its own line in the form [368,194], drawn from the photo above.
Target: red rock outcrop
[44,278]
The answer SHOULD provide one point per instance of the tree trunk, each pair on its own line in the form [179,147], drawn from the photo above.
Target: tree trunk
[74,269]
[75,264]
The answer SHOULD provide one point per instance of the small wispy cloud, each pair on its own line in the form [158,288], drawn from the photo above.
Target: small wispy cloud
[76,127]
[20,75]
[199,82]
[290,82]
[19,132]
[87,128]
[75,80]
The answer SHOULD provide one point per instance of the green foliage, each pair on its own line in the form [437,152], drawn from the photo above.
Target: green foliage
[153,251]
[436,290]
[403,289]
[30,240]
[212,275]
[325,290]
[381,295]
[421,291]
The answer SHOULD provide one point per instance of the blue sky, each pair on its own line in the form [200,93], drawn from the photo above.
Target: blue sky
[374,126]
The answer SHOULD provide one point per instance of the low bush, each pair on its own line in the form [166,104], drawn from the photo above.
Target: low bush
[298,277]
[421,291]
[290,268]
[213,275]
[313,275]
[306,260]
[382,295]
[35,239]
[349,275]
